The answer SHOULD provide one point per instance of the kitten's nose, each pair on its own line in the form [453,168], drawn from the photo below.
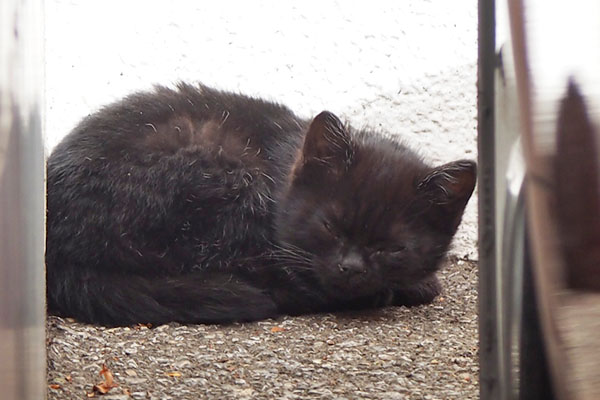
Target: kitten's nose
[352,263]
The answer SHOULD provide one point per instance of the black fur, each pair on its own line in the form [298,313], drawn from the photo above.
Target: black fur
[195,205]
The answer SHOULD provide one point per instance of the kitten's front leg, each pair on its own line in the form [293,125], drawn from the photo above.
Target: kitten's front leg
[421,293]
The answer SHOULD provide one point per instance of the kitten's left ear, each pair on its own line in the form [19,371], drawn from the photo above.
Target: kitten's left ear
[447,189]
[327,143]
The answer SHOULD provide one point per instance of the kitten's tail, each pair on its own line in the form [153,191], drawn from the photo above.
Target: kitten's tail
[192,298]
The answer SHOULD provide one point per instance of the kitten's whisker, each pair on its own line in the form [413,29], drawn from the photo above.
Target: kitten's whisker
[267,176]
[290,248]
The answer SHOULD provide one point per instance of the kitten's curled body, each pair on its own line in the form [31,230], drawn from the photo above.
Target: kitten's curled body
[201,206]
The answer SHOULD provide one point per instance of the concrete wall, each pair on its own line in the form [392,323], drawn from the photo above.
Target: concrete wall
[402,67]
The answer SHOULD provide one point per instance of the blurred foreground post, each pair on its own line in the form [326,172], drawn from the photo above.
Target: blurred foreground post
[22,276]
[558,86]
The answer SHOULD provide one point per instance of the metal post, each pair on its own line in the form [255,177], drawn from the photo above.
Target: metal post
[22,202]
[488,339]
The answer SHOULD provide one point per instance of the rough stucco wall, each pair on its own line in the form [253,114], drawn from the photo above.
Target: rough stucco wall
[402,67]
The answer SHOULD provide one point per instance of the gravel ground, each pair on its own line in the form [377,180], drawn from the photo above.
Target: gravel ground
[427,352]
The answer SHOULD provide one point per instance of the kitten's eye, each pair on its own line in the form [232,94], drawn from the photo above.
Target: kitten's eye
[377,252]
[329,229]
[397,250]
[390,251]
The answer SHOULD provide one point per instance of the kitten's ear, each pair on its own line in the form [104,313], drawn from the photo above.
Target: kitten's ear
[447,190]
[327,143]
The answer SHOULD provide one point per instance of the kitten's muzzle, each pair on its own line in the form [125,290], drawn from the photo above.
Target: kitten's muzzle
[352,263]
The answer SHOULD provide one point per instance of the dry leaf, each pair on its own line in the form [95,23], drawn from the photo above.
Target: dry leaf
[101,388]
[277,329]
[108,383]
[173,374]
[105,372]
[54,386]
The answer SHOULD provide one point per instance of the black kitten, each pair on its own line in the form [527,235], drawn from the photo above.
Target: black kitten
[195,205]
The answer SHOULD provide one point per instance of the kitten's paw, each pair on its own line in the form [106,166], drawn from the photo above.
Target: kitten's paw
[421,293]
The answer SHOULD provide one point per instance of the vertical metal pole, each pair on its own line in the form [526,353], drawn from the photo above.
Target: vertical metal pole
[488,339]
[22,202]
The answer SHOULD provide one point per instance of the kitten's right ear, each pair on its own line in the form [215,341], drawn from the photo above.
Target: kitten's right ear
[327,144]
[446,190]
